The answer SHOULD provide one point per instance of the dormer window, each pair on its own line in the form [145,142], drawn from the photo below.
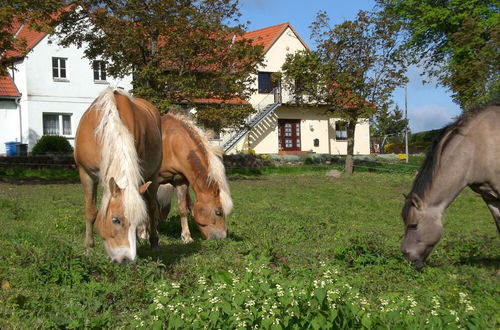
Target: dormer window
[99,68]
[59,69]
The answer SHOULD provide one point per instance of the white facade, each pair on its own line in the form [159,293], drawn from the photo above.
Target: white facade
[43,95]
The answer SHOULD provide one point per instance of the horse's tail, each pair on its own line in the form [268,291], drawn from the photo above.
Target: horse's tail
[119,159]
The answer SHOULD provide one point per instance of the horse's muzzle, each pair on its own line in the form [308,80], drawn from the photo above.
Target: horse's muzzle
[217,234]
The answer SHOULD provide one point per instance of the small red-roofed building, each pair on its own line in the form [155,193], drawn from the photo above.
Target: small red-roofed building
[48,88]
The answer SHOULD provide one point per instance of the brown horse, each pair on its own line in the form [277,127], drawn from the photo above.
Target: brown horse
[189,160]
[466,154]
[118,142]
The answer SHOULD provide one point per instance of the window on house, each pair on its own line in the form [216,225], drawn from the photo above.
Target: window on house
[59,68]
[341,130]
[265,83]
[56,124]
[99,70]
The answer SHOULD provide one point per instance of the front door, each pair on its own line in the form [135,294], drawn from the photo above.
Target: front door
[289,134]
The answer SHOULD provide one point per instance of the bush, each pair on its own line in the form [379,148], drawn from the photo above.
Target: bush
[50,144]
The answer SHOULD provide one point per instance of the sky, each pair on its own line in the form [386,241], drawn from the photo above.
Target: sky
[429,106]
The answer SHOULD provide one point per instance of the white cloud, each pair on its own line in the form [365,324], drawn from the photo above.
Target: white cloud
[431,116]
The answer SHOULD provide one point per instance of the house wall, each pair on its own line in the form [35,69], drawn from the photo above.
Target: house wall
[42,94]
[287,43]
[9,122]
[314,124]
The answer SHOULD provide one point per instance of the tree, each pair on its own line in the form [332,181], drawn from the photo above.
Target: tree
[13,13]
[177,50]
[389,121]
[353,72]
[457,42]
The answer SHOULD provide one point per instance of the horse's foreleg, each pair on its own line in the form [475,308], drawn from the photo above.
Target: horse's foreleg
[90,191]
[184,201]
[494,206]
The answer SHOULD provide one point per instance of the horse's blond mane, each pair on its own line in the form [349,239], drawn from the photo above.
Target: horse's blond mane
[216,171]
[119,159]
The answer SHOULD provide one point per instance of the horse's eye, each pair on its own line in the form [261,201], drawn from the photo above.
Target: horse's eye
[116,220]
[412,226]
[218,213]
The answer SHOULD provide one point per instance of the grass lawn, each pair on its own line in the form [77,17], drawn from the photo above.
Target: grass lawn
[303,252]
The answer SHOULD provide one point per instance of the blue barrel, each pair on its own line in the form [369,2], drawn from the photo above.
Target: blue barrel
[10,148]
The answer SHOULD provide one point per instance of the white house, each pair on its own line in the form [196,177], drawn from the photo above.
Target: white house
[54,87]
[279,127]
[50,88]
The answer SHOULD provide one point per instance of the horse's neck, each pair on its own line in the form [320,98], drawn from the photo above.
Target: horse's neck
[199,180]
[450,178]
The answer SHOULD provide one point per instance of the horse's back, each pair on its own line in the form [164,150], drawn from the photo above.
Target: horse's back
[142,121]
[482,135]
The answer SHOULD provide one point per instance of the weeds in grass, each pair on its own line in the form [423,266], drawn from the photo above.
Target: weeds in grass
[303,252]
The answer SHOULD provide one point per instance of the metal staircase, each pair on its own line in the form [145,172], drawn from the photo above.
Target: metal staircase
[251,123]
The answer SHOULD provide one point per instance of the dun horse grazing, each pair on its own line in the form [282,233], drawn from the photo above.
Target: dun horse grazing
[466,154]
[118,142]
[188,159]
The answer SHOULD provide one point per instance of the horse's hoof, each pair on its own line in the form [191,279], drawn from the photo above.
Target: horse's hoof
[187,239]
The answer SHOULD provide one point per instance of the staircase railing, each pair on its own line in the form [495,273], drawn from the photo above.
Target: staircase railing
[267,105]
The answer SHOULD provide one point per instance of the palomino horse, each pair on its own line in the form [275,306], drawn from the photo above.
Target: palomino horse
[189,160]
[118,142]
[466,154]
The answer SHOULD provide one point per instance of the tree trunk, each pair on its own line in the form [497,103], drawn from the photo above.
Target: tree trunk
[349,162]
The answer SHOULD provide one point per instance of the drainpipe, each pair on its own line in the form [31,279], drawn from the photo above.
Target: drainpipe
[18,103]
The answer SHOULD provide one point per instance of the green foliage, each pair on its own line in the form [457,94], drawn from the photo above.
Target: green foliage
[178,51]
[354,71]
[49,144]
[388,122]
[457,42]
[31,12]
[427,136]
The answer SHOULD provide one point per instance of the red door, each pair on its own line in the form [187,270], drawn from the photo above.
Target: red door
[289,134]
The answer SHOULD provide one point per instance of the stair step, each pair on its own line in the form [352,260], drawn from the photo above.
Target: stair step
[251,123]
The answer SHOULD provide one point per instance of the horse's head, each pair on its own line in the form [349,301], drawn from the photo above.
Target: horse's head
[210,215]
[117,231]
[423,230]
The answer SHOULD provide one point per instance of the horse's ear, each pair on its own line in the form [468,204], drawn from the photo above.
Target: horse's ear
[113,188]
[416,201]
[144,187]
[405,196]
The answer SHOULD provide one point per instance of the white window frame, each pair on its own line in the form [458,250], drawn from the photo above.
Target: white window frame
[100,71]
[338,136]
[59,68]
[60,120]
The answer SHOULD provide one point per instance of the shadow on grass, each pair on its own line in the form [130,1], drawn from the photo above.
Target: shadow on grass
[486,262]
[169,254]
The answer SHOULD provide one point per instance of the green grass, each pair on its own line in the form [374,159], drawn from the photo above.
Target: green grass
[289,232]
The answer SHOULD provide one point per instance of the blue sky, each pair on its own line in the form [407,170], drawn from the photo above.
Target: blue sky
[429,107]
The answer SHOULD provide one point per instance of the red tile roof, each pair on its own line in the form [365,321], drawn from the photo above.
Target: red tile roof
[267,36]
[7,87]
[235,100]
[25,33]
